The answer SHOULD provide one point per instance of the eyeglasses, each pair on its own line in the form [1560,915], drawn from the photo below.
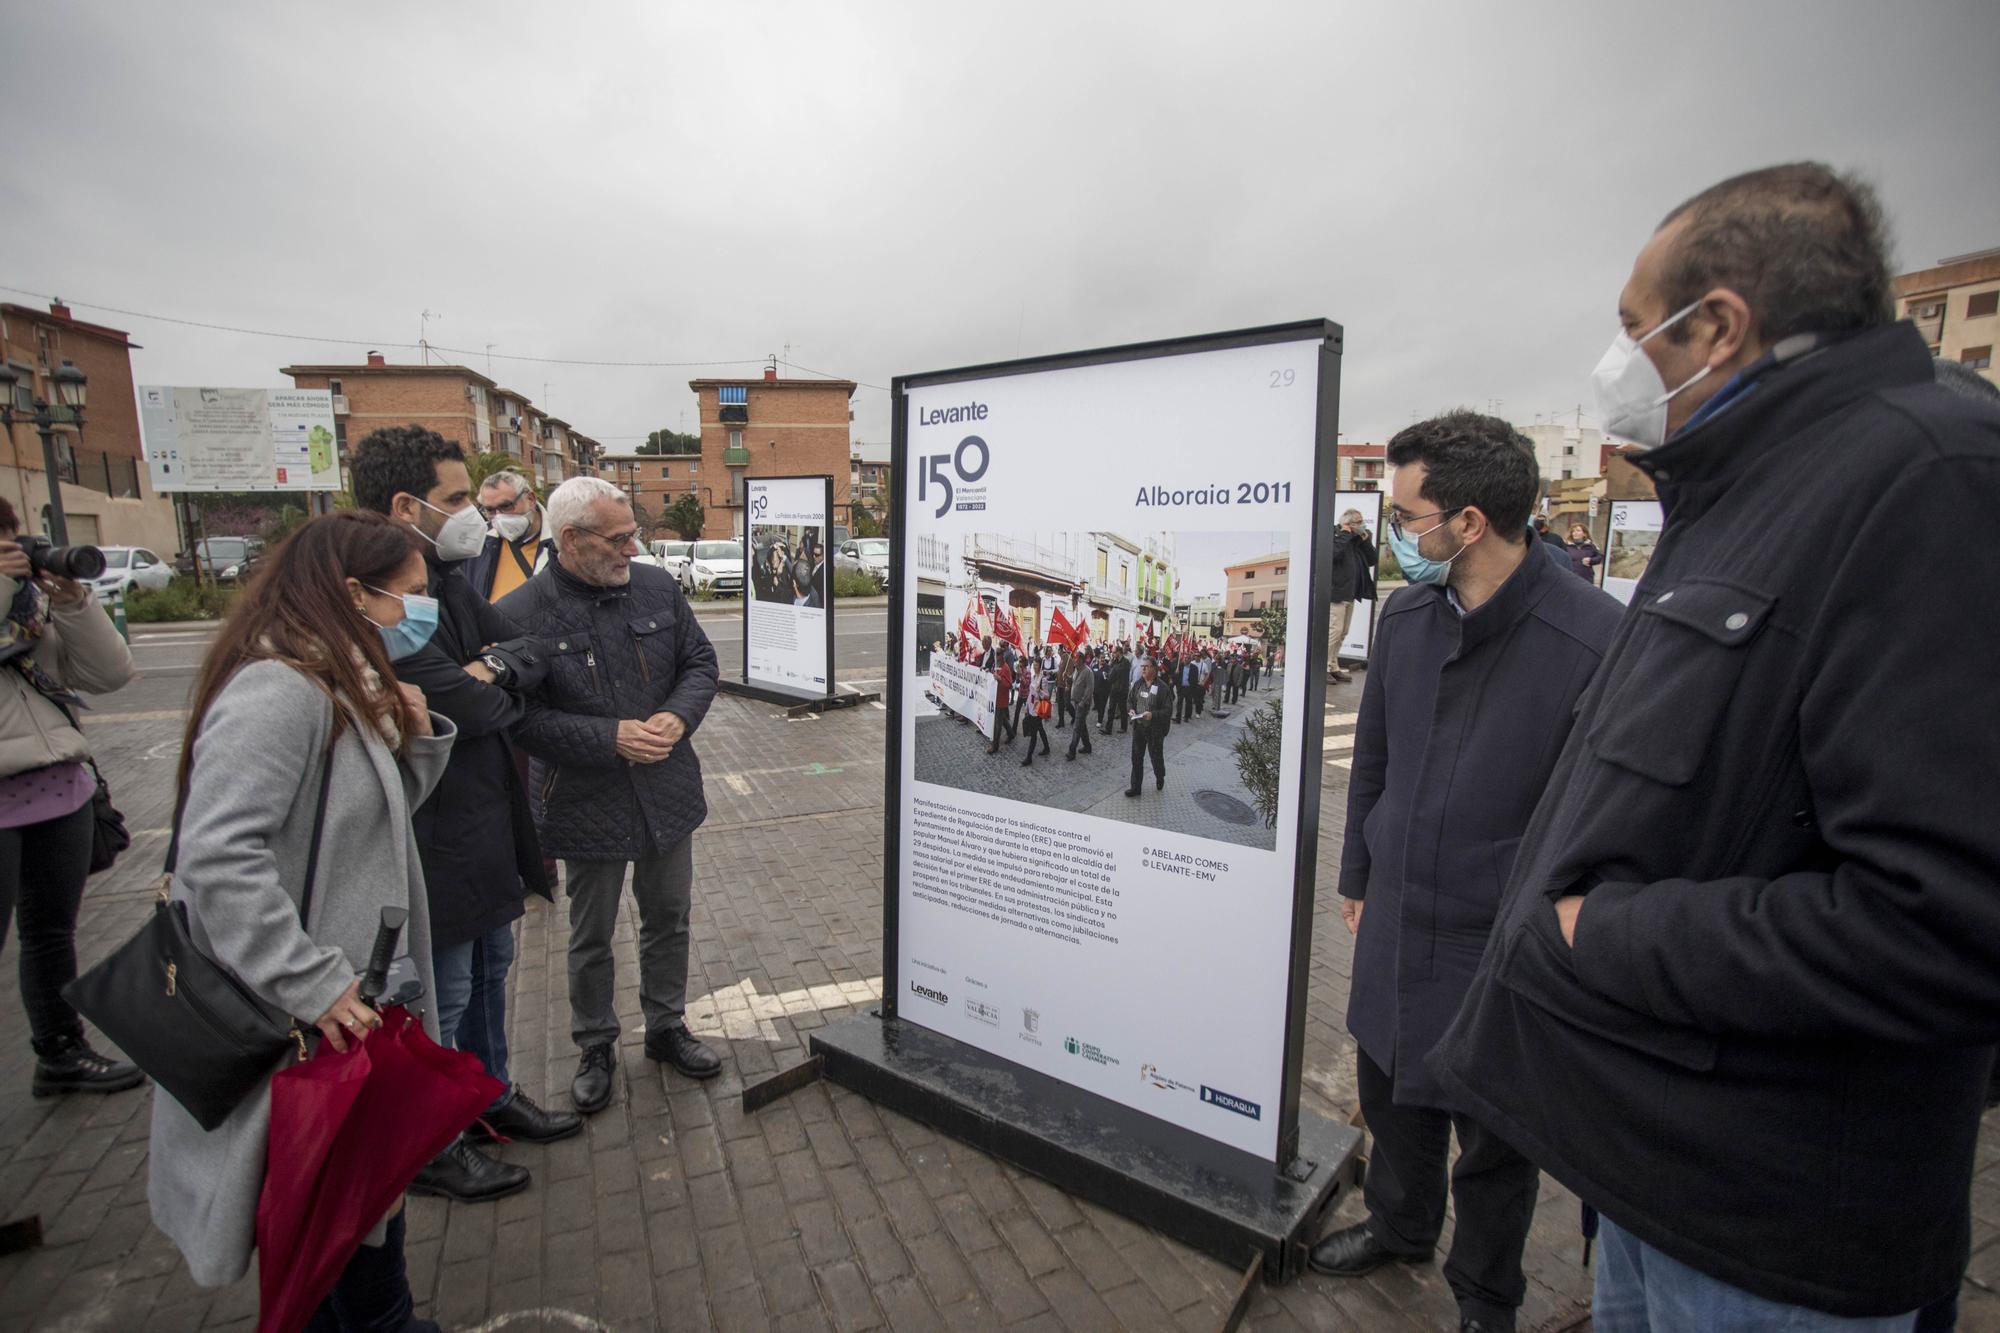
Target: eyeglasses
[513,506]
[618,540]
[1396,521]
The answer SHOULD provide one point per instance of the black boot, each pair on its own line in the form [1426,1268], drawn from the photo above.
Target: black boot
[521,1120]
[464,1174]
[590,1090]
[681,1049]
[372,1294]
[67,1064]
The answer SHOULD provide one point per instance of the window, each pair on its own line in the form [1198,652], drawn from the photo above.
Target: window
[1281,572]
[1249,602]
[333,387]
[1978,358]
[1981,304]
[1102,557]
[1278,599]
[735,439]
[1931,311]
[1124,575]
[666,469]
[733,395]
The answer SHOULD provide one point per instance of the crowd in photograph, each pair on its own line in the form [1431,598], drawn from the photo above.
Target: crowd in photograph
[1135,687]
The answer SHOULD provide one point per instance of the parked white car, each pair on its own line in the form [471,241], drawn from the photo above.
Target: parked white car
[714,567]
[674,557]
[129,567]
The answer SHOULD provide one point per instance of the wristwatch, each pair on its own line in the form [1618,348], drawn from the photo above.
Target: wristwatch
[497,665]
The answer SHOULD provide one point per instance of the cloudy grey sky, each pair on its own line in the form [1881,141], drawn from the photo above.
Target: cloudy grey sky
[894,188]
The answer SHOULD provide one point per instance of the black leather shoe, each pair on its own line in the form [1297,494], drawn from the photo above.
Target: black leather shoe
[1133,792]
[1160,783]
[1474,1324]
[70,1065]
[1352,1251]
[464,1174]
[590,1090]
[524,1122]
[680,1048]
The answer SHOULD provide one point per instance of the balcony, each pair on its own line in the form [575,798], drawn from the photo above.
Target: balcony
[934,560]
[735,416]
[736,457]
[1026,555]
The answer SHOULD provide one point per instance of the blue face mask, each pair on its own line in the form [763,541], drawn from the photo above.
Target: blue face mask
[414,630]
[1416,568]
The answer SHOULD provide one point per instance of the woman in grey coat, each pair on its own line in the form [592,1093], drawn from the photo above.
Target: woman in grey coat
[303,664]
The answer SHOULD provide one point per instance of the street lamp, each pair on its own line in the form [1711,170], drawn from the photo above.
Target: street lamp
[72,388]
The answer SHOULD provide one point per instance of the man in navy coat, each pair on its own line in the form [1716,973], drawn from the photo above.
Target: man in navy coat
[1474,675]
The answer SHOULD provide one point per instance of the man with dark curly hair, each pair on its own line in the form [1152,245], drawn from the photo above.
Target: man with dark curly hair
[1475,670]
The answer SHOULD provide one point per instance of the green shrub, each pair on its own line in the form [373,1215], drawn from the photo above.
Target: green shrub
[179,600]
[1257,755]
[854,583]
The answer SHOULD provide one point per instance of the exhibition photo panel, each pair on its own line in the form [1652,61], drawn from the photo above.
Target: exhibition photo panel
[1123,920]
[787,604]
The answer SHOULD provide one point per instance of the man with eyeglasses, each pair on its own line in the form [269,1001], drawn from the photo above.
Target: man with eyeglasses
[615,782]
[516,546]
[1476,669]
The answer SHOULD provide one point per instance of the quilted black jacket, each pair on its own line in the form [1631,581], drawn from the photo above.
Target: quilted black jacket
[615,654]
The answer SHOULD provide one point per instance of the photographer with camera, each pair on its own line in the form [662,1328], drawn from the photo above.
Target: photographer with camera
[55,640]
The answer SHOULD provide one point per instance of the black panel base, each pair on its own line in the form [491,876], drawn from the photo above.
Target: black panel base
[1217,1199]
[797,701]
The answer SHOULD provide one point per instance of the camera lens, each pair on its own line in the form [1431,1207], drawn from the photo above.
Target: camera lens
[68,562]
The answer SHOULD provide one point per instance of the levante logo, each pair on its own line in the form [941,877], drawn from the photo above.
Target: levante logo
[935,996]
[968,463]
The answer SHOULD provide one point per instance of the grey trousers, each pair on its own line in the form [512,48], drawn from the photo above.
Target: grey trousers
[662,885]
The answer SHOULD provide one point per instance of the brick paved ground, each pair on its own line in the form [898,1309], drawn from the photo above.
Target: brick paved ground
[675,1211]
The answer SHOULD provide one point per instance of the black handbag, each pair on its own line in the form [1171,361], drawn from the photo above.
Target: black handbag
[183,1018]
[108,835]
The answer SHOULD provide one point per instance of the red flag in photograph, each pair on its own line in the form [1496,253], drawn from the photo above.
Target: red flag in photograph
[969,635]
[1006,628]
[1061,631]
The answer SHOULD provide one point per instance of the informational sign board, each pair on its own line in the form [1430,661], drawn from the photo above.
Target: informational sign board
[1635,530]
[1361,627]
[211,439]
[788,590]
[1145,943]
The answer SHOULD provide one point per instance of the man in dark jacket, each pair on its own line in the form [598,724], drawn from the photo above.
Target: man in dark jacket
[1150,705]
[1083,687]
[1353,580]
[474,834]
[616,782]
[1467,704]
[1743,992]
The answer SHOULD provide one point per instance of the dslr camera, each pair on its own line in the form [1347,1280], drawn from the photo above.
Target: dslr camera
[67,562]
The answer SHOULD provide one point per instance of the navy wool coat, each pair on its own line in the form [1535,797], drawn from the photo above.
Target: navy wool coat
[1462,721]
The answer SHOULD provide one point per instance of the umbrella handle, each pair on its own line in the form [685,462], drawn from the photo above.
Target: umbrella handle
[376,979]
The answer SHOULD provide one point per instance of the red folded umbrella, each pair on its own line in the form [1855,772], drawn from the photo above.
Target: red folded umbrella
[349,1131]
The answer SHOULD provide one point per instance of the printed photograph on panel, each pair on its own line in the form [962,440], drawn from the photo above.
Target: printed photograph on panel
[788,563]
[1132,676]
[1631,552]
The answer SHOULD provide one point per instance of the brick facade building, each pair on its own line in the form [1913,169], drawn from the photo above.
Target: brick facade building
[1956,306]
[107,494]
[653,482]
[1253,585]
[458,403]
[770,428]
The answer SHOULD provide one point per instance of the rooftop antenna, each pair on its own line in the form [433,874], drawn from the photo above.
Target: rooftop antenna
[489,359]
[424,333]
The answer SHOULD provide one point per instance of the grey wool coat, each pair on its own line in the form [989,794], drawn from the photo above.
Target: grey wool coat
[244,834]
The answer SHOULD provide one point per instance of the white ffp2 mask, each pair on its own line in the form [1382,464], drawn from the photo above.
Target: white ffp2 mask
[1631,397]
